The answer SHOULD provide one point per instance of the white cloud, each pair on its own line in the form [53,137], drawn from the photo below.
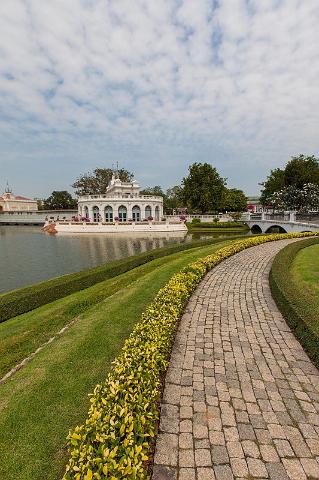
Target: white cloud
[241,75]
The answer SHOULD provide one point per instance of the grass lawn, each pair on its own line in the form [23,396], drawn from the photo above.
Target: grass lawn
[48,396]
[305,276]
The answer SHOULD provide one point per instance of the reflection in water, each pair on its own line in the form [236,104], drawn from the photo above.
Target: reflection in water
[28,256]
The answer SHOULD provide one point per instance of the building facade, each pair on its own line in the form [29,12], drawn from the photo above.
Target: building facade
[121,202]
[16,203]
[254,205]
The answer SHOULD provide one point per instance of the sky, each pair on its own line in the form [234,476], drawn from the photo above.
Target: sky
[155,85]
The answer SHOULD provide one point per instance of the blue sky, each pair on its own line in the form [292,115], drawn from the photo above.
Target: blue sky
[155,85]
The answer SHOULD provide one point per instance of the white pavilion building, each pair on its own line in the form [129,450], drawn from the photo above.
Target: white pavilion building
[121,202]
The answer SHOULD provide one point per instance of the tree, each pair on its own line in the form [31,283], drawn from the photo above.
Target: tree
[234,200]
[310,197]
[60,200]
[288,198]
[156,191]
[293,198]
[299,171]
[203,189]
[275,182]
[174,198]
[98,181]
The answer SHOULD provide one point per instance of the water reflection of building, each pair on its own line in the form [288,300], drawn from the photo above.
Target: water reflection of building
[122,201]
[115,246]
[16,203]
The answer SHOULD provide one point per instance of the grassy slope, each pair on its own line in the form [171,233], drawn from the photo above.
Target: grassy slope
[305,276]
[23,334]
[49,396]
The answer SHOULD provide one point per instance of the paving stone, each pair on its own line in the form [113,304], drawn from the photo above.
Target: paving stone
[311,467]
[187,474]
[205,474]
[202,457]
[276,471]
[239,467]
[219,454]
[161,472]
[235,449]
[223,472]
[241,397]
[250,449]
[166,449]
[256,468]
[294,468]
[269,453]
[185,440]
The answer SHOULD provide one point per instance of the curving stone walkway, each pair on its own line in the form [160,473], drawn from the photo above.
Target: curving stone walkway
[241,398]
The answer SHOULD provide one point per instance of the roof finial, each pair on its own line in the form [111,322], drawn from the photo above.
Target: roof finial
[8,189]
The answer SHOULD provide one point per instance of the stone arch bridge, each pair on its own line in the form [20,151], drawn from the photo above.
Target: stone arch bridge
[286,223]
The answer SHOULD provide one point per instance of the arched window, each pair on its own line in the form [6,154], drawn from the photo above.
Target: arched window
[108,214]
[148,211]
[96,214]
[86,212]
[122,213]
[157,213]
[136,213]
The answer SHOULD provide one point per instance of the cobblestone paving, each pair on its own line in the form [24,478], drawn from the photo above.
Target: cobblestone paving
[241,398]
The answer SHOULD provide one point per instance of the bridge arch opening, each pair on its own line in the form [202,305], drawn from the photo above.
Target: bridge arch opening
[275,229]
[256,229]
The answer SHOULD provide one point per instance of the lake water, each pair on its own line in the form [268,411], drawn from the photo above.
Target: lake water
[27,255]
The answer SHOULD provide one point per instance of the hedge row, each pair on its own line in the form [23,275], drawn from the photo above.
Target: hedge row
[217,225]
[115,440]
[28,298]
[298,314]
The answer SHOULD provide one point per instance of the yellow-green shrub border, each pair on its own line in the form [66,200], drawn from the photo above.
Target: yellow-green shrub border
[115,440]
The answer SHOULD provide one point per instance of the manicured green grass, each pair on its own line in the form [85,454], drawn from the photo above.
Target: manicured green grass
[48,396]
[23,334]
[305,275]
[294,281]
[305,270]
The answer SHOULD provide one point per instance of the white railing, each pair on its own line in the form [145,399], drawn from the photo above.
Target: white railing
[36,217]
[120,197]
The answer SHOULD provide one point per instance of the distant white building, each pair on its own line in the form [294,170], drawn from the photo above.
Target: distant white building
[122,201]
[16,203]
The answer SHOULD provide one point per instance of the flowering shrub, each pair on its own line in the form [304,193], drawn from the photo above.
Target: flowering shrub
[115,440]
[150,218]
[182,218]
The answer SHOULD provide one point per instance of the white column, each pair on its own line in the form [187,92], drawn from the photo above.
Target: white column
[292,216]
[90,207]
[129,207]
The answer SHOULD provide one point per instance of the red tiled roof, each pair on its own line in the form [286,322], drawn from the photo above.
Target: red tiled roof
[16,197]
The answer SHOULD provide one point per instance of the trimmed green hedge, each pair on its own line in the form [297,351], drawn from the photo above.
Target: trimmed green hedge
[217,225]
[28,298]
[115,440]
[298,314]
